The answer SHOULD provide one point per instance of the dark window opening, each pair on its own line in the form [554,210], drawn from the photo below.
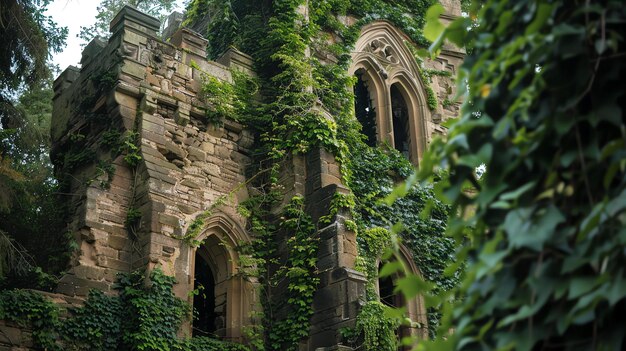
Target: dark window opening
[388,297]
[385,290]
[364,110]
[204,300]
[400,116]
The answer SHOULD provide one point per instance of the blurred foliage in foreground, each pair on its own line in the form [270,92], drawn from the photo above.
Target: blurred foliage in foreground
[544,111]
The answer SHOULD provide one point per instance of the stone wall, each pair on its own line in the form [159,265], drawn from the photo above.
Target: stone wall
[185,165]
[16,337]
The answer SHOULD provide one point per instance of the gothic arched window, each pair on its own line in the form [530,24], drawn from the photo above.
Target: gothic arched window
[389,84]
[400,118]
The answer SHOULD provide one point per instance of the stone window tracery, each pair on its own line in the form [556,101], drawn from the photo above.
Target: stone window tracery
[387,68]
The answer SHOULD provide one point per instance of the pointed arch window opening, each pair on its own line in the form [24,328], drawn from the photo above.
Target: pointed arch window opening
[400,118]
[364,109]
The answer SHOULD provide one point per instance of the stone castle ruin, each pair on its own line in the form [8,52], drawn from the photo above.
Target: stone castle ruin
[131,210]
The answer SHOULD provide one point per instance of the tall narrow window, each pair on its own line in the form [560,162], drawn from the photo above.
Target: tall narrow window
[400,115]
[364,109]
[204,300]
[392,299]
[385,290]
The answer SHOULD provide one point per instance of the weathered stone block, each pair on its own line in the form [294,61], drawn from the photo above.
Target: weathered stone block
[10,335]
[133,69]
[196,154]
[89,272]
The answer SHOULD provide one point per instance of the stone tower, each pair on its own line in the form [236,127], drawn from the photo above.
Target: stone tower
[142,162]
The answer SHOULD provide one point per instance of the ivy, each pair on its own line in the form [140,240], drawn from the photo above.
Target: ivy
[228,100]
[198,224]
[95,326]
[298,92]
[377,327]
[30,309]
[300,271]
[103,169]
[376,171]
[130,149]
[145,315]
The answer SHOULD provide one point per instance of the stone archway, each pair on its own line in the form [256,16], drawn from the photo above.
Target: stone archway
[415,307]
[233,296]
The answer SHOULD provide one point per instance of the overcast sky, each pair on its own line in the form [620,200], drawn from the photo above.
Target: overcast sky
[74,14]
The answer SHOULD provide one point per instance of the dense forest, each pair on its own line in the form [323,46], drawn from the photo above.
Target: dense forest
[528,255]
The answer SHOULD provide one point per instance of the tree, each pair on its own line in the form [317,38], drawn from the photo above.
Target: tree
[27,37]
[109,8]
[29,218]
[545,112]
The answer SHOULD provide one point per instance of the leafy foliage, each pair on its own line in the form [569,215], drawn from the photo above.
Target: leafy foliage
[546,254]
[29,215]
[30,309]
[27,37]
[95,326]
[377,327]
[228,100]
[300,272]
[422,216]
[146,315]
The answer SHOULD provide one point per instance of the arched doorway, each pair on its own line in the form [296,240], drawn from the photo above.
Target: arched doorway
[204,298]
[211,273]
[228,298]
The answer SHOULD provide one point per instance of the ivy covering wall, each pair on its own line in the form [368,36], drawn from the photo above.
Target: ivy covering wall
[144,316]
[288,121]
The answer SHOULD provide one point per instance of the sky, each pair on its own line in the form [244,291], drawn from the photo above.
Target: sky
[74,14]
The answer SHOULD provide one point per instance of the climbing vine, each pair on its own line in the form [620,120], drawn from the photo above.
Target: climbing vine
[299,270]
[299,94]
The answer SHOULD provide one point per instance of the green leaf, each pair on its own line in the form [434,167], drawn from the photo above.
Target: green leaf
[515,194]
[390,268]
[581,286]
[412,285]
[525,228]
[456,32]
[541,17]
[433,27]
